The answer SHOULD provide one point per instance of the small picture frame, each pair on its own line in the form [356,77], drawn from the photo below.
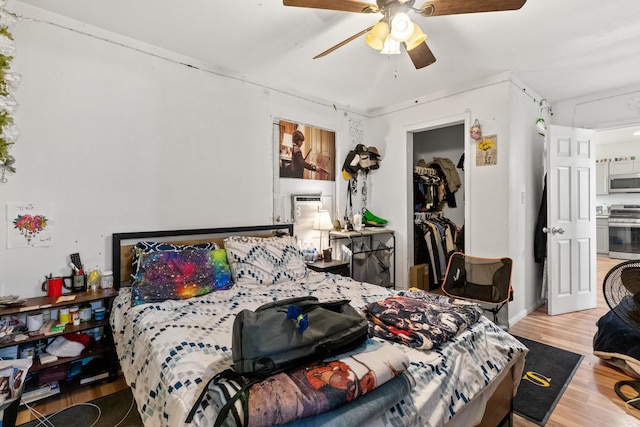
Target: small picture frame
[487,151]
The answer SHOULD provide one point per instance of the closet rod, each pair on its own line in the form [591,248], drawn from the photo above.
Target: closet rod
[421,216]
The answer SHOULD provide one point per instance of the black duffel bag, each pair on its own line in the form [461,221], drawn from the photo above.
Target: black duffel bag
[283,335]
[271,340]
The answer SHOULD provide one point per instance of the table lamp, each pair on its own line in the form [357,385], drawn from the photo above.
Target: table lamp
[322,222]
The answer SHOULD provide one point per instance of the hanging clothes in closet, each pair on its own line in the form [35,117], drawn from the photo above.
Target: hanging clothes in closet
[428,189]
[434,235]
[434,240]
[435,184]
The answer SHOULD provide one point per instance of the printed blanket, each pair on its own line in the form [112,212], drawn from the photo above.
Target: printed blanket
[169,351]
[313,389]
[419,319]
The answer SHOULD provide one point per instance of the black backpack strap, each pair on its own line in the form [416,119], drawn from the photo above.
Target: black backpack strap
[233,383]
[242,393]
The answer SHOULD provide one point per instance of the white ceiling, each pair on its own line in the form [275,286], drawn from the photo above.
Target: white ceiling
[621,135]
[562,49]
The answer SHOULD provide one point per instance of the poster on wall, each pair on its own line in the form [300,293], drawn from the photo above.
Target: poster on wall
[29,225]
[487,151]
[306,152]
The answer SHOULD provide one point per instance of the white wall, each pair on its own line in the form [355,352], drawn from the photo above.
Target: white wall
[617,150]
[121,140]
[501,201]
[525,185]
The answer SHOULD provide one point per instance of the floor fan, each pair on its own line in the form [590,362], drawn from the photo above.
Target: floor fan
[621,288]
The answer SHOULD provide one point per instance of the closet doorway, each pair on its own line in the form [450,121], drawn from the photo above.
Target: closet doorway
[438,202]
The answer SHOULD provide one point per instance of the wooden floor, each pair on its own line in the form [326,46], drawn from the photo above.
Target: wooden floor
[84,394]
[588,401]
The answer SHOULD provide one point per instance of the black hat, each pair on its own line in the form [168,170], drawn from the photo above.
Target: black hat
[351,165]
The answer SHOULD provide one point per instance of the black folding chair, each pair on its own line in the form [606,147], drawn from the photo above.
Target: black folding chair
[484,280]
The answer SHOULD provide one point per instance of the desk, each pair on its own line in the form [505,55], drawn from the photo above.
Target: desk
[371,235]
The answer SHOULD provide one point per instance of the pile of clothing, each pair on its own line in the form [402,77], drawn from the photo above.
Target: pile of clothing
[419,319]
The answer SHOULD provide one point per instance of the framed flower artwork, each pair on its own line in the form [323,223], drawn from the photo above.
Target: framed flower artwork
[487,151]
[29,224]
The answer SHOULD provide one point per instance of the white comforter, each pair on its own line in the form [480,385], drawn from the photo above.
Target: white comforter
[168,351]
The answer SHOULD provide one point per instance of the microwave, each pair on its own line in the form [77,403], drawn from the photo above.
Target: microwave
[624,183]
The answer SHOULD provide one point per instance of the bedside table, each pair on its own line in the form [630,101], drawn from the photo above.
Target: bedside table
[333,266]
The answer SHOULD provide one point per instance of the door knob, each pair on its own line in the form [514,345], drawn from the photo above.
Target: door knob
[553,230]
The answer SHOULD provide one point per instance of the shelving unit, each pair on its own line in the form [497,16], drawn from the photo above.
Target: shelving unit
[371,235]
[103,348]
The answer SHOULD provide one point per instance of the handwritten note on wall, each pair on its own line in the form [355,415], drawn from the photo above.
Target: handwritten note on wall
[356,133]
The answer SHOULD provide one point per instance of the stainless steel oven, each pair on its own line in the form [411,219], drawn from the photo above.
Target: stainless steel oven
[624,232]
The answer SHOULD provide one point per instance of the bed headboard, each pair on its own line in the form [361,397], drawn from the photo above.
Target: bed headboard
[123,243]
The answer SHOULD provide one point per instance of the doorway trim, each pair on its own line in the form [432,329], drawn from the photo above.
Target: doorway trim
[409,131]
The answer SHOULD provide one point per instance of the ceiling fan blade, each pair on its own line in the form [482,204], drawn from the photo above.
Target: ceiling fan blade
[341,5]
[421,56]
[342,43]
[453,7]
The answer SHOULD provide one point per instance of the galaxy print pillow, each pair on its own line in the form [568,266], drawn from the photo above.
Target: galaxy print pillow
[174,275]
[144,246]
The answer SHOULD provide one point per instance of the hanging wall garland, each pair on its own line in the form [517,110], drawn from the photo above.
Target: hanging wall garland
[9,82]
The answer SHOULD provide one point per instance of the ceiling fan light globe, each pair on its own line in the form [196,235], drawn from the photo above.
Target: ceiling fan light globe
[391,47]
[416,38]
[401,27]
[376,37]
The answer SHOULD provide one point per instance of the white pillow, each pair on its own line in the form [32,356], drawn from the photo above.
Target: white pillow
[264,261]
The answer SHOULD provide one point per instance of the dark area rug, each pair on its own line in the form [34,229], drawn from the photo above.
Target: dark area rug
[547,373]
[113,409]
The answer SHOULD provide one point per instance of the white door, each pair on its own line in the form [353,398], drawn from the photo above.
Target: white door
[571,222]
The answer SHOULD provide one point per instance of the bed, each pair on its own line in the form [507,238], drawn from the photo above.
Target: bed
[169,350]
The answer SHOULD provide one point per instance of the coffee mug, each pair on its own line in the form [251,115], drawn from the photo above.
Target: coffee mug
[357,222]
[53,286]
